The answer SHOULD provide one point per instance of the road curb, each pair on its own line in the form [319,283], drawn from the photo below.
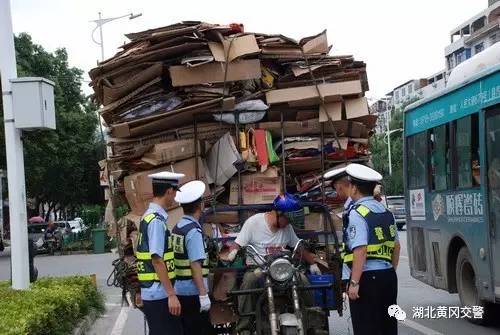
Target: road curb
[86,324]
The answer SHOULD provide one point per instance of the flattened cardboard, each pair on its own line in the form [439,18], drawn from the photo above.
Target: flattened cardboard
[214,72]
[308,95]
[318,44]
[168,152]
[221,159]
[303,166]
[292,128]
[240,46]
[333,109]
[115,91]
[306,115]
[370,121]
[257,189]
[356,107]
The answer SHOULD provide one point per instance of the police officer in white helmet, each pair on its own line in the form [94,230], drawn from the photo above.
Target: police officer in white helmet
[371,254]
[155,258]
[191,261]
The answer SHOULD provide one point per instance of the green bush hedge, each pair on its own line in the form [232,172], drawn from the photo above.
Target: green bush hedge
[53,306]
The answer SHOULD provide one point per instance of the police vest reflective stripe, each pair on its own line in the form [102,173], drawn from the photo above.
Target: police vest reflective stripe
[145,270]
[181,258]
[381,235]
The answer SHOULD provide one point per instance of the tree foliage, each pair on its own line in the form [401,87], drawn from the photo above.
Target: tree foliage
[393,184]
[61,165]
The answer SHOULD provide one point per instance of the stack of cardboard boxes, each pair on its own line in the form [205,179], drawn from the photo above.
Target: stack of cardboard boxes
[250,114]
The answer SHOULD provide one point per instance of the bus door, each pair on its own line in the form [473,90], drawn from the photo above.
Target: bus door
[493,177]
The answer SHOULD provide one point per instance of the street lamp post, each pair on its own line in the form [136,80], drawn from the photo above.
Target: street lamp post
[388,135]
[100,22]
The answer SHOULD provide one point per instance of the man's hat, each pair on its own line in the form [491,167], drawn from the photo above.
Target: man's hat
[167,178]
[362,174]
[190,192]
[335,174]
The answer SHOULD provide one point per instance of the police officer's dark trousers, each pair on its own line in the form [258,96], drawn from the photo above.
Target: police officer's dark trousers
[160,321]
[378,290]
[193,321]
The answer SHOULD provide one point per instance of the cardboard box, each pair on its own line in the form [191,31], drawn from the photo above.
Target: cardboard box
[223,217]
[308,95]
[343,128]
[240,46]
[356,108]
[304,165]
[214,72]
[333,109]
[170,152]
[257,189]
[139,189]
[292,128]
[222,158]
[314,222]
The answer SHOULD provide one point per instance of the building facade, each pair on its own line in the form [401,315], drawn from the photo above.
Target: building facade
[473,36]
[380,108]
[406,92]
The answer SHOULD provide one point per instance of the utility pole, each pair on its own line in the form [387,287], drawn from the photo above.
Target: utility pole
[388,121]
[14,153]
[102,39]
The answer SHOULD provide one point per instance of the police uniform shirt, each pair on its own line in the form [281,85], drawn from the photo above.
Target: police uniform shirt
[196,252]
[156,236]
[357,234]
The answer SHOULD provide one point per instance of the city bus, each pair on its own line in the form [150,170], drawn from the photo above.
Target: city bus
[452,185]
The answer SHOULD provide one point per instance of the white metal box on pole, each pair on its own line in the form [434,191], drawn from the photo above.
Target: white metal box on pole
[33,103]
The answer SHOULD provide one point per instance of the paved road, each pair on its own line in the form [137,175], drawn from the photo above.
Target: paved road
[118,320]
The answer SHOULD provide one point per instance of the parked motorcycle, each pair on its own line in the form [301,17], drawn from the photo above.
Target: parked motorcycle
[279,308]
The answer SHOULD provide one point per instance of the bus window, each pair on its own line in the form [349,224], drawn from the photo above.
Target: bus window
[440,160]
[416,160]
[467,149]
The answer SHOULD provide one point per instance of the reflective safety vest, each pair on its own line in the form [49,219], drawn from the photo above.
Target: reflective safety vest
[145,270]
[381,234]
[182,262]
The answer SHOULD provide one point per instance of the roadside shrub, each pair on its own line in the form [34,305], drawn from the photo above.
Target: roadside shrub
[51,306]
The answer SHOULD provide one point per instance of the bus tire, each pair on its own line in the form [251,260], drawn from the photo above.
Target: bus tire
[466,286]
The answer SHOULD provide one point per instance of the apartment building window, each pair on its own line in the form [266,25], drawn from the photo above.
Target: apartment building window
[396,95]
[403,91]
[493,38]
[410,89]
[451,61]
[478,48]
[460,56]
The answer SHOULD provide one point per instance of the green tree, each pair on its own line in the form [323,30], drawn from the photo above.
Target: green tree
[61,165]
[393,185]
